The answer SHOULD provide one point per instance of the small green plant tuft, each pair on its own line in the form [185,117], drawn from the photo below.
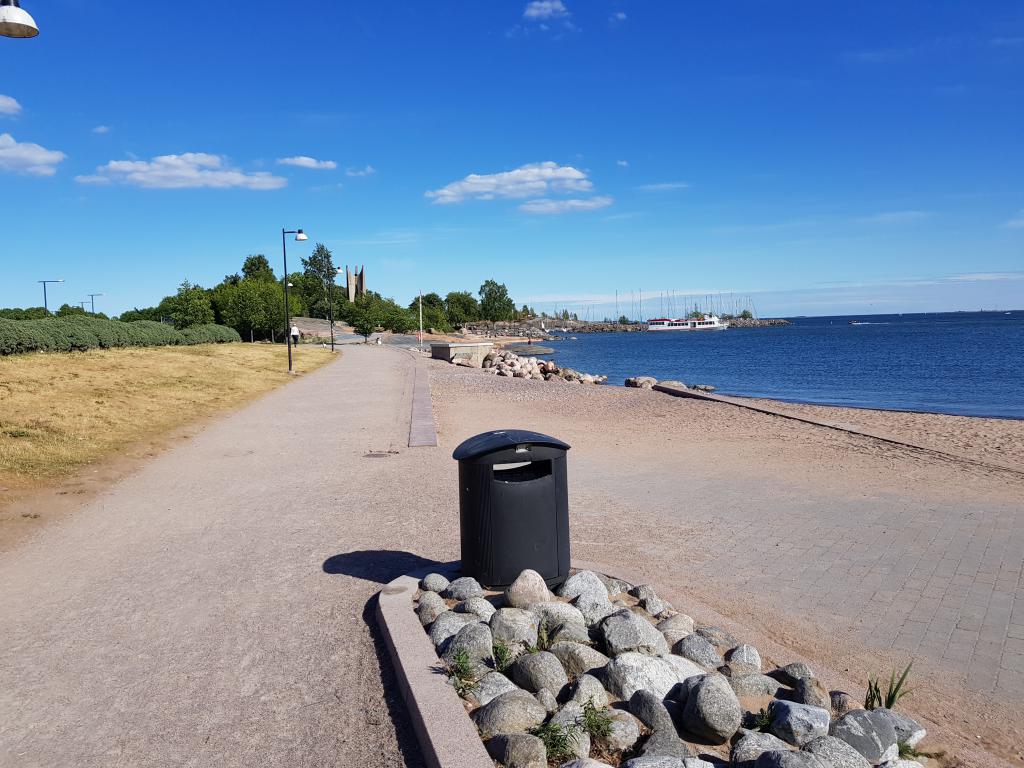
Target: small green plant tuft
[543,636]
[503,655]
[559,741]
[908,752]
[895,691]
[462,673]
[762,721]
[597,722]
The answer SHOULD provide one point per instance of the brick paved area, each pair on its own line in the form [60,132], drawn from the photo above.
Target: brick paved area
[936,580]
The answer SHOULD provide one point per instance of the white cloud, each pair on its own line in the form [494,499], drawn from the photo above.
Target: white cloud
[191,170]
[101,129]
[538,10]
[665,186]
[26,158]
[622,163]
[617,18]
[303,161]
[895,217]
[547,206]
[530,180]
[368,170]
[1017,222]
[9,105]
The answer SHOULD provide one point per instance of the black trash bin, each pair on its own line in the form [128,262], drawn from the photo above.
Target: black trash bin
[513,507]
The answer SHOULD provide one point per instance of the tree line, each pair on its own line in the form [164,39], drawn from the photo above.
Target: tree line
[252,302]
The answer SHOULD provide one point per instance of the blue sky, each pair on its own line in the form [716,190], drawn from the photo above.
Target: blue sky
[823,158]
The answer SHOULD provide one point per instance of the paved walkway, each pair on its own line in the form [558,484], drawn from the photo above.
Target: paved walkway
[201,613]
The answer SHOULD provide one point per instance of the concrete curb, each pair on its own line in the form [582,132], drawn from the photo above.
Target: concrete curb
[422,430]
[444,730]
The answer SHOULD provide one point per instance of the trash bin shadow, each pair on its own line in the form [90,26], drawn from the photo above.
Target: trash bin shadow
[383,565]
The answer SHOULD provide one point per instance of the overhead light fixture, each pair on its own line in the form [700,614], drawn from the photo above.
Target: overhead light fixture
[15,21]
[300,236]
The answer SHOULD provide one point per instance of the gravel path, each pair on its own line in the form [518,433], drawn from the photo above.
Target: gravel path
[203,613]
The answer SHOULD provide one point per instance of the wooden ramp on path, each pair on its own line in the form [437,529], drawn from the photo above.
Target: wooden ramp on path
[422,430]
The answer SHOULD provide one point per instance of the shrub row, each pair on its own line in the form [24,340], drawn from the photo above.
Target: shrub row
[69,334]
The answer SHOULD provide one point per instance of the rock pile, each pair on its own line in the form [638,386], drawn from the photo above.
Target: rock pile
[606,673]
[504,363]
[649,382]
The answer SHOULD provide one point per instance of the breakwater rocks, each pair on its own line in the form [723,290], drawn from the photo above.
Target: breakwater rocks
[504,363]
[753,322]
[606,673]
[649,382]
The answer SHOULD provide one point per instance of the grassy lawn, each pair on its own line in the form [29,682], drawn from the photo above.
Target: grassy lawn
[59,412]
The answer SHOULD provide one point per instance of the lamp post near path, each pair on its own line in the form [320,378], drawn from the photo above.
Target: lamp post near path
[44,282]
[330,305]
[300,236]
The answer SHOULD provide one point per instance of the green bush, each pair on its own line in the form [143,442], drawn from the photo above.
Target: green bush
[79,333]
[209,334]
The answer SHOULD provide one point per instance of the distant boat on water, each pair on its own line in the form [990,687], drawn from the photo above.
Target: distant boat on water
[702,323]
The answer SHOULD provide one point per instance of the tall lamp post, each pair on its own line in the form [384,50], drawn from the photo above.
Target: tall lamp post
[44,282]
[330,305]
[15,22]
[300,236]
[92,298]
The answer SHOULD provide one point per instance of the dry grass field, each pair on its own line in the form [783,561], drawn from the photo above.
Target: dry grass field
[60,412]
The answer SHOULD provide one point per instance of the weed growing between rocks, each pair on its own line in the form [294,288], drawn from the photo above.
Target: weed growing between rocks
[596,722]
[461,673]
[908,752]
[894,692]
[762,721]
[503,655]
[559,741]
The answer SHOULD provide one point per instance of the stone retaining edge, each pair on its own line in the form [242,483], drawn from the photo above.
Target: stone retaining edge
[445,732]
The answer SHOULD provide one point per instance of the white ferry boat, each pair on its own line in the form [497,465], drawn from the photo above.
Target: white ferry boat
[702,323]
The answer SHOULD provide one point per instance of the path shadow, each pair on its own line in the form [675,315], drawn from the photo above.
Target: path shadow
[382,565]
[408,745]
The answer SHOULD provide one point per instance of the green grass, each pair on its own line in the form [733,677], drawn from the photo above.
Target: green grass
[762,721]
[559,741]
[895,691]
[908,752]
[597,722]
[503,655]
[462,673]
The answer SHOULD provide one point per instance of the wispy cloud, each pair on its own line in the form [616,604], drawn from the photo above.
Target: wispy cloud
[101,129]
[896,217]
[304,161]
[1006,42]
[191,170]
[617,18]
[664,186]
[1017,222]
[622,163]
[531,180]
[881,55]
[9,105]
[27,158]
[547,206]
[367,170]
[540,10]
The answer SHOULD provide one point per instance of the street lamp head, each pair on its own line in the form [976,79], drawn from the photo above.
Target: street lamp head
[300,236]
[15,22]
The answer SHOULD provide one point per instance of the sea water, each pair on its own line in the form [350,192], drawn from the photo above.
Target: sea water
[966,363]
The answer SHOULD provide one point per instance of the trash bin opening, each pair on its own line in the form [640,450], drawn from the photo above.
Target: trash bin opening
[522,473]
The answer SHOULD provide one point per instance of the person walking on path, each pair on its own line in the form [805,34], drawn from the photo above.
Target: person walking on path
[295,334]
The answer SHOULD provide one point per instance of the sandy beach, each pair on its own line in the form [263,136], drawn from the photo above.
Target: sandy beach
[858,554]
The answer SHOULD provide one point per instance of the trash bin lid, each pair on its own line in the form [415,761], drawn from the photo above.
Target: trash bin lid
[503,439]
